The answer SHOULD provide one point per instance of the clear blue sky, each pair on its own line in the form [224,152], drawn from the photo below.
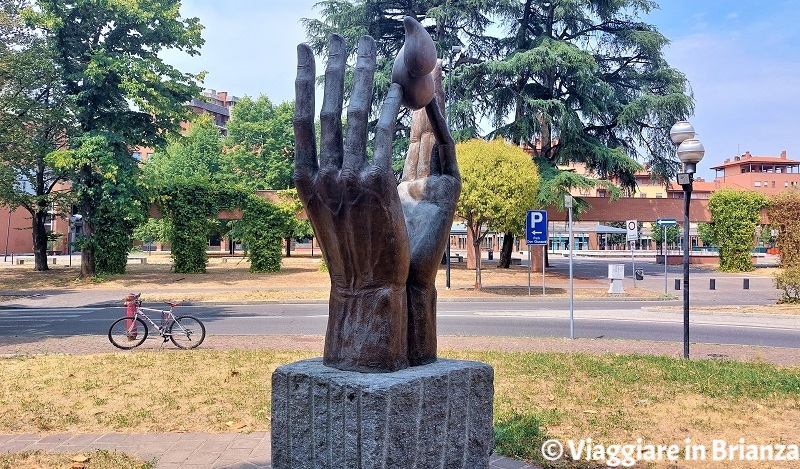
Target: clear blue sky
[742,59]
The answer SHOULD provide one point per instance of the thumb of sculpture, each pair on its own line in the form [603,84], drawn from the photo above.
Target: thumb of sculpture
[414,64]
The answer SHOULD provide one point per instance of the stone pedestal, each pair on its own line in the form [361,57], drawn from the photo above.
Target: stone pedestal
[437,415]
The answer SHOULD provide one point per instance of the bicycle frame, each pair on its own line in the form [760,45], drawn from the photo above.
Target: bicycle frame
[167,318]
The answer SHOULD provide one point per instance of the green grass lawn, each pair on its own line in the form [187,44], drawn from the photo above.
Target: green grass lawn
[612,399]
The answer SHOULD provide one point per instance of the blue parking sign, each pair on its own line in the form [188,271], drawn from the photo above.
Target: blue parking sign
[536,227]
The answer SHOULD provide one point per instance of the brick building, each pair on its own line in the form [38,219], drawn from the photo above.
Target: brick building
[766,174]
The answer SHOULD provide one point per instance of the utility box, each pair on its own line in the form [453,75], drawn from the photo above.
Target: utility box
[616,273]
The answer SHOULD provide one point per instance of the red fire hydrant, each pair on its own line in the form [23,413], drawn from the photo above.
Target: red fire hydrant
[130,303]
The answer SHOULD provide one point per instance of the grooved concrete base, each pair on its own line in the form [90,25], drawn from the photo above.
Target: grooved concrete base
[437,415]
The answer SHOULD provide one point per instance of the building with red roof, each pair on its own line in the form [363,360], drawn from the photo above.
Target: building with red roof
[766,174]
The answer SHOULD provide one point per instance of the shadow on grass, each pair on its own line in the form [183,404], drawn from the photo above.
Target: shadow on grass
[520,436]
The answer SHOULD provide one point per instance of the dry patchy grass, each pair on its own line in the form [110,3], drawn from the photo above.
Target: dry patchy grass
[100,459]
[610,398]
[138,392]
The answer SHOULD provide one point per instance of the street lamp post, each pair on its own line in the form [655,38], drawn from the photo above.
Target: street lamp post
[690,152]
[453,51]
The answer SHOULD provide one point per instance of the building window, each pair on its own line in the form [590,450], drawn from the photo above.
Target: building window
[601,193]
[658,195]
[786,184]
[757,183]
[148,155]
[137,156]
[643,195]
[773,183]
[765,183]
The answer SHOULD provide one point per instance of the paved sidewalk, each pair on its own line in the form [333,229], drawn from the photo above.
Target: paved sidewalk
[179,450]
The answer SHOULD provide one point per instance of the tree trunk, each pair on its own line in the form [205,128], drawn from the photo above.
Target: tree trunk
[40,239]
[477,249]
[288,247]
[88,268]
[506,250]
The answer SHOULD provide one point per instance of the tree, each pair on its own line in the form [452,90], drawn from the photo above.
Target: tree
[196,155]
[294,227]
[707,233]
[784,215]
[581,81]
[499,184]
[153,230]
[673,234]
[113,192]
[107,58]
[34,121]
[260,143]
[735,215]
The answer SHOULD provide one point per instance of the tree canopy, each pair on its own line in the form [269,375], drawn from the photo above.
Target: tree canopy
[106,56]
[196,155]
[499,184]
[260,143]
[578,81]
[582,81]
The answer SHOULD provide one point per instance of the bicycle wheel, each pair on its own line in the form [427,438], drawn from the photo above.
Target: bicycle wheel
[187,332]
[127,334]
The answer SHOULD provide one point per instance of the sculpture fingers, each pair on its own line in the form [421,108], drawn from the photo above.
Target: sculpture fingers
[331,113]
[305,138]
[445,143]
[384,131]
[418,158]
[419,124]
[355,148]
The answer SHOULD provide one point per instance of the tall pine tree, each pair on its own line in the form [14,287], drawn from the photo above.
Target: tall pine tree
[581,81]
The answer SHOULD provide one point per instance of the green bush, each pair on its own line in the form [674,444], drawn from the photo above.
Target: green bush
[735,216]
[784,215]
[789,282]
[192,206]
[261,227]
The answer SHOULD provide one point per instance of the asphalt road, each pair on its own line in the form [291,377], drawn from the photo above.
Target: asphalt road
[634,320]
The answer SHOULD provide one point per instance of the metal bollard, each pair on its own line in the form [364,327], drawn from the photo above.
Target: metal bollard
[677,284]
[712,284]
[746,284]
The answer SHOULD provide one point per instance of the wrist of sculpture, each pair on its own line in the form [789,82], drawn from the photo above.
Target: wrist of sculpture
[421,323]
[367,329]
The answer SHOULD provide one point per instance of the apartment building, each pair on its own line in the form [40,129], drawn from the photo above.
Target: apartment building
[766,174]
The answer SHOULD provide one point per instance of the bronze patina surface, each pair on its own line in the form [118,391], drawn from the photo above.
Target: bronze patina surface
[382,241]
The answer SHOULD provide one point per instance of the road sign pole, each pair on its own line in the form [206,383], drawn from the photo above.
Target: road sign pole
[571,289]
[633,262]
[544,252]
[529,270]
[664,242]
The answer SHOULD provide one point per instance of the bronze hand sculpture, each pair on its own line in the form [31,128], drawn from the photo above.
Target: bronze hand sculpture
[382,242]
